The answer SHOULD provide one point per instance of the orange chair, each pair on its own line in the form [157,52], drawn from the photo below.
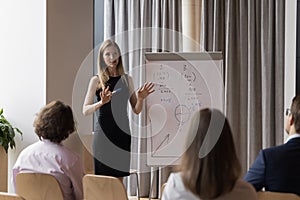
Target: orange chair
[162,188]
[103,188]
[276,196]
[8,196]
[131,172]
[36,186]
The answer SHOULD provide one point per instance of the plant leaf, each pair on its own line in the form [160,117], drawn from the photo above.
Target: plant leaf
[12,144]
[18,130]
[7,133]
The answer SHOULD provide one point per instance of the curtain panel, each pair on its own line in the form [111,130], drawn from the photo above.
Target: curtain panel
[250,33]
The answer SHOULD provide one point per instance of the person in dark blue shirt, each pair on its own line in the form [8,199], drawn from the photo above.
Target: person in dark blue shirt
[276,169]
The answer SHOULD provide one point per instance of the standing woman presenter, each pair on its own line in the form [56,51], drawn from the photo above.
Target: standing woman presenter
[113,88]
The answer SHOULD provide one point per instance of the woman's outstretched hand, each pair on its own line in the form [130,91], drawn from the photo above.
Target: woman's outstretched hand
[105,95]
[145,90]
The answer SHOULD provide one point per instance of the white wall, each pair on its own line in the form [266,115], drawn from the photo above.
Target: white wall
[22,66]
[43,44]
[69,43]
[290,52]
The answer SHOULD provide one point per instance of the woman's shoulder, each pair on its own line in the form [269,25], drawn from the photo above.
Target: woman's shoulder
[95,78]
[175,176]
[242,189]
[31,149]
[68,156]
[175,189]
[175,181]
[240,183]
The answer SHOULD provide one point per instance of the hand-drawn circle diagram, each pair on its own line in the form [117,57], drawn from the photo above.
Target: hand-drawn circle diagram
[161,76]
[182,113]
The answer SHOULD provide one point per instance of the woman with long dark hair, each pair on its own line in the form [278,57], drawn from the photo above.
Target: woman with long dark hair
[209,168]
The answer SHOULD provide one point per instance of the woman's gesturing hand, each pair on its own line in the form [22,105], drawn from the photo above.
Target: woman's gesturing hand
[145,90]
[105,95]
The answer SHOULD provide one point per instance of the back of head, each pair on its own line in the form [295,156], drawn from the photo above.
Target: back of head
[54,122]
[210,166]
[295,111]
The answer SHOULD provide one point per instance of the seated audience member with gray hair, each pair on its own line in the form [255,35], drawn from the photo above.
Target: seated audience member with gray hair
[276,169]
[53,124]
[209,167]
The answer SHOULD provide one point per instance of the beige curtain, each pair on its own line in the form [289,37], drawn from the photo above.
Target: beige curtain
[140,26]
[250,33]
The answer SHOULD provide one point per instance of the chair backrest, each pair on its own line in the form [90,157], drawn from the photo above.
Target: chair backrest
[103,188]
[277,196]
[8,196]
[162,188]
[37,186]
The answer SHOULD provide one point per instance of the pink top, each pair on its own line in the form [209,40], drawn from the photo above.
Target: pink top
[55,159]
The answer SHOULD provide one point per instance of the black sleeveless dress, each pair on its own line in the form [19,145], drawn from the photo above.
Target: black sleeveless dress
[112,138]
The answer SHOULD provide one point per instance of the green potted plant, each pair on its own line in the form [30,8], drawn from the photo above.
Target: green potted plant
[7,133]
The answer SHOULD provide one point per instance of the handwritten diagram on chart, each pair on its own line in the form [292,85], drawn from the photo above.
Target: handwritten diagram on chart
[184,84]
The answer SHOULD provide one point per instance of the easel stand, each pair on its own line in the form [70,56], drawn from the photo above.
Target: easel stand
[154,174]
